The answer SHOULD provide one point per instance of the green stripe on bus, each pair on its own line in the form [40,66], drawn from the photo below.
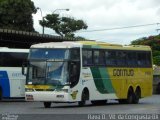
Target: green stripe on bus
[87,46]
[96,46]
[101,80]
[91,46]
[98,80]
[106,80]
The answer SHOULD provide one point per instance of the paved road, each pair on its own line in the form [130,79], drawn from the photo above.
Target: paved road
[150,105]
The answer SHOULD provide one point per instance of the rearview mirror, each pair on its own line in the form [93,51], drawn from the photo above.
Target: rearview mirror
[24,70]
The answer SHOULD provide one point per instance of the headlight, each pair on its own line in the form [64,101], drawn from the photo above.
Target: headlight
[65,90]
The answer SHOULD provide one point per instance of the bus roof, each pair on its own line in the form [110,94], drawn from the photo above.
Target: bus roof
[90,44]
[57,45]
[6,49]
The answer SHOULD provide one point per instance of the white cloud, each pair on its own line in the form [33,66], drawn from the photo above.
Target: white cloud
[107,14]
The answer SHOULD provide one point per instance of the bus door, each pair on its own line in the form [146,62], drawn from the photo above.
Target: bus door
[74,73]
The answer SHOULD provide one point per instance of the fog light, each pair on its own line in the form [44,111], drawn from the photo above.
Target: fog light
[65,90]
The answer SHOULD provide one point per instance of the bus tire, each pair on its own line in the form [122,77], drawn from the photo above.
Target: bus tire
[137,96]
[122,101]
[130,96]
[0,93]
[99,102]
[158,89]
[47,104]
[84,97]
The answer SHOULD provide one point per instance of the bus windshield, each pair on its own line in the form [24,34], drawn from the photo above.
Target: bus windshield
[44,72]
[51,66]
[49,54]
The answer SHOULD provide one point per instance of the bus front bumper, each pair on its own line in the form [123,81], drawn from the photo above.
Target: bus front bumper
[48,96]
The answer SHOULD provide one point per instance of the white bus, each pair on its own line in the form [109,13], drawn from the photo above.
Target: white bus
[12,82]
[88,70]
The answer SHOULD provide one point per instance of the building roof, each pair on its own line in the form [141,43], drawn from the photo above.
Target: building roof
[22,39]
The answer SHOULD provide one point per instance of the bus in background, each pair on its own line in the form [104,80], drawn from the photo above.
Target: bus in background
[12,82]
[156,79]
[88,70]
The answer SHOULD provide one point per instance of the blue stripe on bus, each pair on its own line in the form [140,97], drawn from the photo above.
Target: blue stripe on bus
[4,84]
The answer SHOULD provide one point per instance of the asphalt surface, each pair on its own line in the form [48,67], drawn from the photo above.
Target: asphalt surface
[21,110]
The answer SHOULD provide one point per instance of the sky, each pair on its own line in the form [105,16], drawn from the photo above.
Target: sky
[105,14]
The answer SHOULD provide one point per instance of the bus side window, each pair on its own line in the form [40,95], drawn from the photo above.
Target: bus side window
[75,54]
[99,57]
[12,59]
[96,57]
[141,59]
[102,57]
[84,57]
[131,59]
[148,59]
[110,58]
[121,58]
[87,57]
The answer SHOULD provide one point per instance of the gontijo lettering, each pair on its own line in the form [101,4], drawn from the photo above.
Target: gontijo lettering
[123,72]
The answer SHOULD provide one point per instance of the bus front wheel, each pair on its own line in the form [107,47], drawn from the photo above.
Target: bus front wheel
[0,94]
[99,102]
[122,101]
[85,96]
[47,104]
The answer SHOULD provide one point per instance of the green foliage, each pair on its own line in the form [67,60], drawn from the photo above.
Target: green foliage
[64,26]
[156,60]
[17,14]
[156,53]
[80,38]
[138,41]
[154,43]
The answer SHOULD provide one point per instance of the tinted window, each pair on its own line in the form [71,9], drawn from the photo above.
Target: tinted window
[99,57]
[87,57]
[148,59]
[9,59]
[141,59]
[144,59]
[75,54]
[121,58]
[117,58]
[110,58]
[49,53]
[131,59]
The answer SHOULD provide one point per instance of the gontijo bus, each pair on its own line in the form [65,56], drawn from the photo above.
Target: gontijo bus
[88,70]
[12,82]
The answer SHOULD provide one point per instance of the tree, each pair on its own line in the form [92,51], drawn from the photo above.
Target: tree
[17,14]
[156,60]
[64,26]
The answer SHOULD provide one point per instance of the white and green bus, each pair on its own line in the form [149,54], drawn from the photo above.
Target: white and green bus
[88,70]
